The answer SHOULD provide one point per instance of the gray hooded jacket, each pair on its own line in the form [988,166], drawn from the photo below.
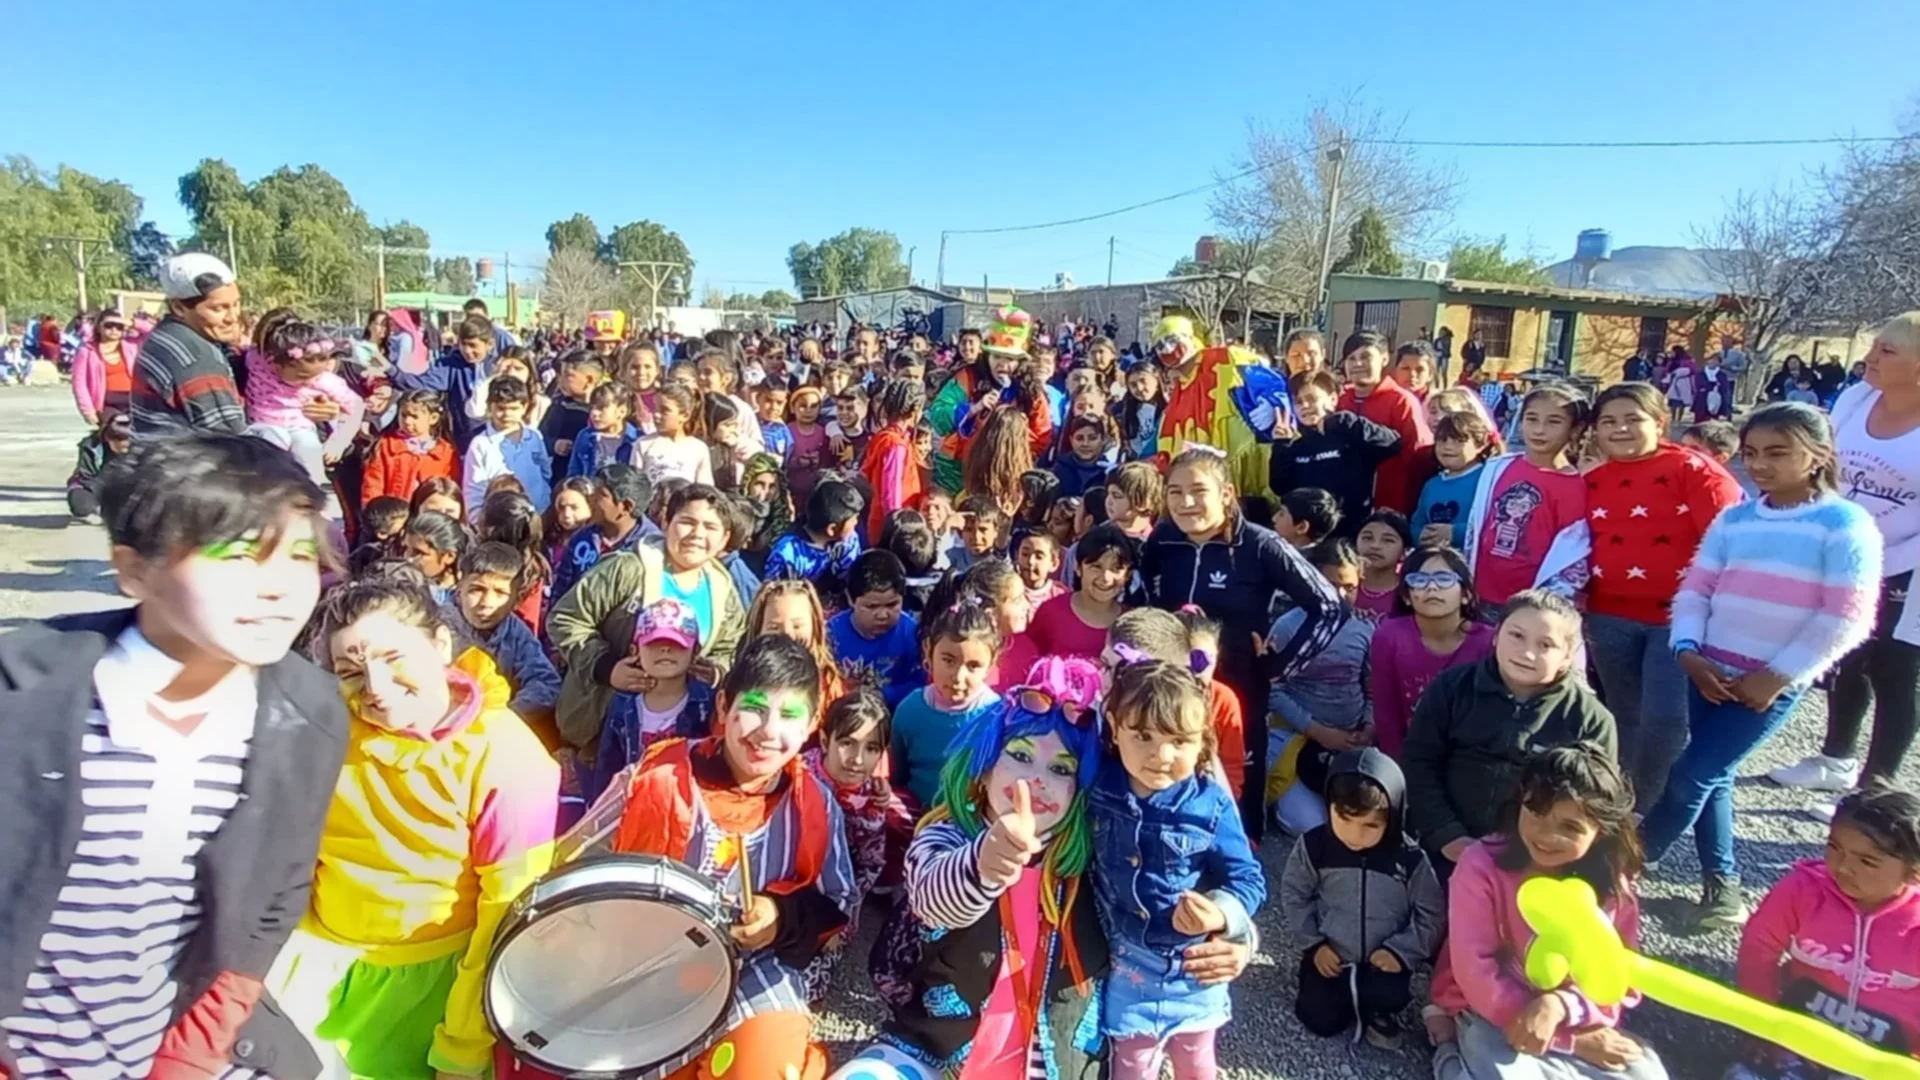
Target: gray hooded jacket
[1358,901]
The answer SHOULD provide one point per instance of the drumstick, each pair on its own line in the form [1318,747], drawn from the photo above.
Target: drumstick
[746,874]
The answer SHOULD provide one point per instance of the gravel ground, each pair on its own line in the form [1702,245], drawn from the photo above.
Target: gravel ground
[1265,1042]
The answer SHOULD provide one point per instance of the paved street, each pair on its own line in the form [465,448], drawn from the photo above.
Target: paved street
[47,567]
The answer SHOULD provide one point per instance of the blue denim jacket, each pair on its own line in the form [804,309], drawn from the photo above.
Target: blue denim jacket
[1147,852]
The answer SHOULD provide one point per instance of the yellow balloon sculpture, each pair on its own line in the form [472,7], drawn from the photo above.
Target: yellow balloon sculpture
[1574,937]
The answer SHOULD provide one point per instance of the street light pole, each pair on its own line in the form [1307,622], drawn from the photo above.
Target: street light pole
[1337,155]
[940,269]
[910,252]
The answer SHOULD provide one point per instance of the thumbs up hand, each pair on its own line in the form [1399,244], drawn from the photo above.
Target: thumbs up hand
[1011,842]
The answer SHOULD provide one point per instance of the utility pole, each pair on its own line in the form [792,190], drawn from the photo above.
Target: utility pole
[940,270]
[654,275]
[1110,262]
[380,252]
[910,252]
[78,255]
[1337,155]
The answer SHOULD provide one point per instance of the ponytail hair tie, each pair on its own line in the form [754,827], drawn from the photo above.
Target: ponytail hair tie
[1197,661]
[1191,609]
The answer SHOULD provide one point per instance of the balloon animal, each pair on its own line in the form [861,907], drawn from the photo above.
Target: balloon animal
[1574,937]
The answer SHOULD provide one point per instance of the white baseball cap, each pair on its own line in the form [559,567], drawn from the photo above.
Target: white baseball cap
[183,277]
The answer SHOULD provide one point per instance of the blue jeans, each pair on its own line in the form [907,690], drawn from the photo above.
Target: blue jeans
[1645,689]
[1700,787]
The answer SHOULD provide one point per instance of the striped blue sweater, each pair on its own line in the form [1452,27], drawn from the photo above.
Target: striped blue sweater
[1791,590]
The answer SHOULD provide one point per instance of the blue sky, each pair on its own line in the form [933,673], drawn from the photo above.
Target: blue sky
[748,127]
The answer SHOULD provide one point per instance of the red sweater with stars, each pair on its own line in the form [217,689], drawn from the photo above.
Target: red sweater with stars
[1647,518]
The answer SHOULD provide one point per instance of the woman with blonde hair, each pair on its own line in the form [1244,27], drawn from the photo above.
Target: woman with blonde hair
[1876,437]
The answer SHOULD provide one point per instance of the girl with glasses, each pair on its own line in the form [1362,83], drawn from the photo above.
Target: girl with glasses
[1435,626]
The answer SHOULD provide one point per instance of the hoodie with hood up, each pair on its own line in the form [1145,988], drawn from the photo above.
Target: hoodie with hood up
[1385,897]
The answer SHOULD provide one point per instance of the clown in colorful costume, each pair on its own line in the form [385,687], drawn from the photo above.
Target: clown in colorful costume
[428,841]
[991,373]
[1221,397]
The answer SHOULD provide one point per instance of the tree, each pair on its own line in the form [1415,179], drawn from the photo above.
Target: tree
[648,241]
[1487,260]
[858,260]
[146,247]
[778,300]
[574,283]
[298,237]
[455,275]
[36,271]
[713,296]
[1838,252]
[577,232]
[1282,198]
[407,273]
[1369,247]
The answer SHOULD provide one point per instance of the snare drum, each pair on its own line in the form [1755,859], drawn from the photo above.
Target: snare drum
[618,967]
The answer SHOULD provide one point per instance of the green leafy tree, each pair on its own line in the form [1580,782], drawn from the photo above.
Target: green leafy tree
[778,300]
[1487,260]
[147,247]
[857,260]
[297,236]
[36,271]
[407,273]
[454,275]
[1369,247]
[577,232]
[648,241]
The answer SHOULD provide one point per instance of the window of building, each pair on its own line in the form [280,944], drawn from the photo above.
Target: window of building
[1653,336]
[1494,327]
[1380,316]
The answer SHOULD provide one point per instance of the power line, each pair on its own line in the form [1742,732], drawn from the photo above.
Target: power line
[1642,144]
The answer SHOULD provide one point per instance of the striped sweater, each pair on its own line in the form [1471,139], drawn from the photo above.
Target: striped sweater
[1791,590]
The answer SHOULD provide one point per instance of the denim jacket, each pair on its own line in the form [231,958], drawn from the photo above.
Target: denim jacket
[1147,852]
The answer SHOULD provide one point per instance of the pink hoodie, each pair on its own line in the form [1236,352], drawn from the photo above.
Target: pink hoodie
[1483,966]
[1856,970]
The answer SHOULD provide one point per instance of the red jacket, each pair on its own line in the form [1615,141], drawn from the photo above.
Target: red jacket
[1395,485]
[394,470]
[889,467]
[1647,518]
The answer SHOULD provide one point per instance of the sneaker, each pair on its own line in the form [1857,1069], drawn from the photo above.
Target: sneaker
[1824,810]
[1383,1033]
[1818,772]
[1448,1064]
[1722,906]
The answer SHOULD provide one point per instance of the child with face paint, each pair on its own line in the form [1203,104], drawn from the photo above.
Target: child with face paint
[745,792]
[996,925]
[188,712]
[444,812]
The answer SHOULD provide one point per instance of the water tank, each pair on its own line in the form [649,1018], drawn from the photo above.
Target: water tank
[483,270]
[1206,250]
[1594,245]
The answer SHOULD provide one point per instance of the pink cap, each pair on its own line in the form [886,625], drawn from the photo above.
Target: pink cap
[667,619]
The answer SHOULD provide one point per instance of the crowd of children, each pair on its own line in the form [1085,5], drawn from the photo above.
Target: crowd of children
[1041,706]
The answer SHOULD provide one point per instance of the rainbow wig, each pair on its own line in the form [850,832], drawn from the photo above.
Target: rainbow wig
[1070,689]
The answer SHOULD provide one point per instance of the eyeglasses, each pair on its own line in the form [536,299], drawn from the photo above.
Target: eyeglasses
[1037,699]
[1439,579]
[117,327]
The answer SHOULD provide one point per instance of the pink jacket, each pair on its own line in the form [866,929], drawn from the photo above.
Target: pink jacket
[90,375]
[1856,970]
[1483,966]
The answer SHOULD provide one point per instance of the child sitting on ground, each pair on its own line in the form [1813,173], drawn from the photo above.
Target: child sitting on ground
[1572,815]
[1325,701]
[114,438]
[874,641]
[1861,903]
[1363,903]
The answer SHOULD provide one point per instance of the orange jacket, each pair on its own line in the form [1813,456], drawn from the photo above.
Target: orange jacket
[394,470]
